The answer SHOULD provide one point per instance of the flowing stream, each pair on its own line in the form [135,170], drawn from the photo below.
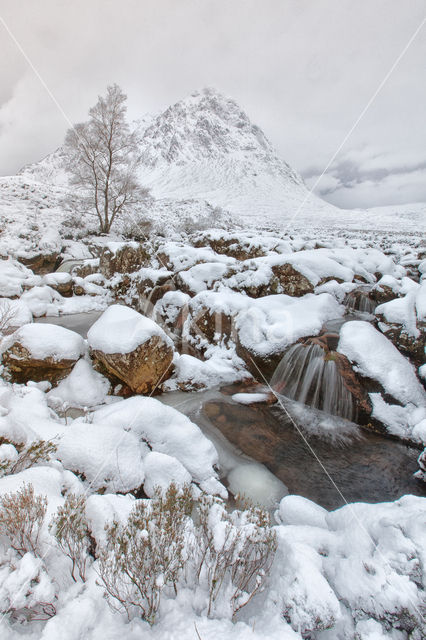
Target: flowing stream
[266,452]
[310,375]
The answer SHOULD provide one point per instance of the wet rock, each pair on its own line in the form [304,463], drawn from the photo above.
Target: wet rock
[261,367]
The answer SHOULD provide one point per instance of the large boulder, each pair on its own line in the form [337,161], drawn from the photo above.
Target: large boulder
[234,245]
[41,263]
[127,346]
[40,352]
[61,282]
[123,257]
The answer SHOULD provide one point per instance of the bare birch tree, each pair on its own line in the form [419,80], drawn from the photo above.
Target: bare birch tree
[102,157]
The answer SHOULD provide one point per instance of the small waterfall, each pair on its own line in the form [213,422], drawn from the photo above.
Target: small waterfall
[359,301]
[309,374]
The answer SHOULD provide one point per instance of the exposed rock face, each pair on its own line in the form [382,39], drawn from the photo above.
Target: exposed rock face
[40,352]
[21,366]
[41,263]
[63,283]
[212,325]
[142,370]
[284,279]
[411,346]
[292,282]
[354,385]
[261,367]
[382,293]
[231,246]
[127,258]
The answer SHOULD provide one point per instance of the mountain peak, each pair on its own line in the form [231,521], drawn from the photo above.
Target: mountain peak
[205,124]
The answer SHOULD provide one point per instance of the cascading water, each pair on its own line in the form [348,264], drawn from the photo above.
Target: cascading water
[359,301]
[309,374]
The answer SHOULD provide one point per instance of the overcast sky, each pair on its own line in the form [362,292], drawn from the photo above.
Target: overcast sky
[303,70]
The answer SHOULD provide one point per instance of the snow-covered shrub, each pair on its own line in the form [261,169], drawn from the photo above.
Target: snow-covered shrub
[146,554]
[70,529]
[27,593]
[36,452]
[234,553]
[21,519]
[7,315]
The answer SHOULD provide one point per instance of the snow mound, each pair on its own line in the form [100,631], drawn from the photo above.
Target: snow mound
[166,430]
[13,276]
[84,387]
[161,470]
[106,456]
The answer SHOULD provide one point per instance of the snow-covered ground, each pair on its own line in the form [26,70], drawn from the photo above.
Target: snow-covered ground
[237,225]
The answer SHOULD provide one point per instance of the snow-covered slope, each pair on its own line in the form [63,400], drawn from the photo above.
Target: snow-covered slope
[198,155]
[206,147]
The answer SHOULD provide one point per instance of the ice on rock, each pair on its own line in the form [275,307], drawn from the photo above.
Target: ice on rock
[258,484]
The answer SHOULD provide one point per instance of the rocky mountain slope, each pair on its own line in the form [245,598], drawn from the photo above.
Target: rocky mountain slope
[206,165]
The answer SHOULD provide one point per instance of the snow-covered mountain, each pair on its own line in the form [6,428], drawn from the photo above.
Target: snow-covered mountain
[202,153]
[206,147]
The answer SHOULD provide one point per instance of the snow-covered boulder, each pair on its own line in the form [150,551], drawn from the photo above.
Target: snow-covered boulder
[271,324]
[123,257]
[403,321]
[41,352]
[161,470]
[374,357]
[236,245]
[132,348]
[105,456]
[13,277]
[167,431]
[61,282]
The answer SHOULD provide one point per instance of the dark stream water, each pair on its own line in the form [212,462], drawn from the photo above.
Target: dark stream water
[330,470]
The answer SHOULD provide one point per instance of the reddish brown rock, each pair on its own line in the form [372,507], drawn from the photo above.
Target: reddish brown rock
[142,370]
[127,259]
